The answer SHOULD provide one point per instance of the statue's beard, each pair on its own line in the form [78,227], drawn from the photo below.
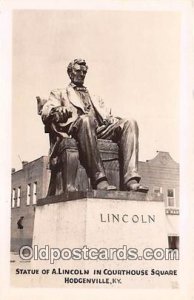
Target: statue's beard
[78,83]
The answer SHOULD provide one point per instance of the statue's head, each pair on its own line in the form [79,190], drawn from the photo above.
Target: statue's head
[77,70]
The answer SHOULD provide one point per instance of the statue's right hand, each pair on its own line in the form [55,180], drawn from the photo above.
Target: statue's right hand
[61,114]
[56,116]
[58,109]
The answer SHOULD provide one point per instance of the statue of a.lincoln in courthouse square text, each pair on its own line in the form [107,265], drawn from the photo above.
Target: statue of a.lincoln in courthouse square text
[73,112]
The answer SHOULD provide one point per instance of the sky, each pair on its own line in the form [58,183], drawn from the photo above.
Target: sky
[134,65]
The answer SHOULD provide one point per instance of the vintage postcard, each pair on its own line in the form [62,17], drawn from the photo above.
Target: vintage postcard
[101,149]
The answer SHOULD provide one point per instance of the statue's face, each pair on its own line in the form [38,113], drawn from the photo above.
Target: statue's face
[78,74]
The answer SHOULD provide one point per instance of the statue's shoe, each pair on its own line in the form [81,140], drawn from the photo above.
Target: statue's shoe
[108,188]
[111,188]
[137,187]
[104,186]
[143,189]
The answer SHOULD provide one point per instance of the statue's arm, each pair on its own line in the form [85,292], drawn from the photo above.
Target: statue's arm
[54,109]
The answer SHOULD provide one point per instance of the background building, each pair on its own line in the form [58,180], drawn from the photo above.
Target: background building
[30,183]
[161,174]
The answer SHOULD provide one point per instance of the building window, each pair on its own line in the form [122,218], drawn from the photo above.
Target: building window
[171,198]
[173,242]
[18,197]
[13,198]
[28,194]
[157,190]
[34,193]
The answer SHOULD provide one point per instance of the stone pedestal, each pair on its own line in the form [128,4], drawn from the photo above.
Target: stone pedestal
[101,220]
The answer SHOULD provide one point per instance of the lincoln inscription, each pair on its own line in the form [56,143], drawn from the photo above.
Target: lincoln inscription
[126,218]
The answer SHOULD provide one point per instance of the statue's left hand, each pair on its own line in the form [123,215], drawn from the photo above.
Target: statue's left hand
[107,121]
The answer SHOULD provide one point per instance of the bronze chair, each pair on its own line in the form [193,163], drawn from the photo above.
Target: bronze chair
[68,174]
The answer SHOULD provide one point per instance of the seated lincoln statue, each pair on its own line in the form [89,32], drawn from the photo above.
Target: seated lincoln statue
[73,112]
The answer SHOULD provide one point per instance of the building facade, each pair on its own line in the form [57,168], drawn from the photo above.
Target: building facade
[160,174]
[28,184]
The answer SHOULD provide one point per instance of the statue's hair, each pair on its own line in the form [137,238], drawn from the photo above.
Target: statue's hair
[78,61]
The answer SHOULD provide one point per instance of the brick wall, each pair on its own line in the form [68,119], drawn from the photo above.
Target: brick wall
[31,173]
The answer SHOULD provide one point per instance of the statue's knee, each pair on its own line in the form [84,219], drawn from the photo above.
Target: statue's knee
[87,121]
[132,123]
